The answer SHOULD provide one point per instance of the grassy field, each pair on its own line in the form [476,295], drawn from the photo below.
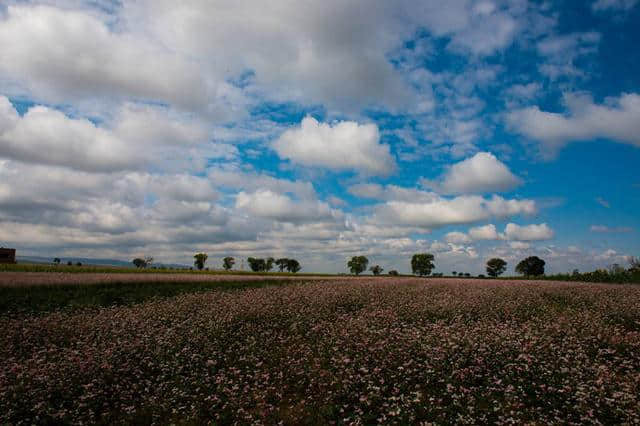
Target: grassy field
[40,267]
[355,351]
[16,300]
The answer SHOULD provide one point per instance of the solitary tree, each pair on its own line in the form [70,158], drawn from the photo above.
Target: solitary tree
[377,270]
[293,266]
[358,264]
[393,272]
[282,263]
[531,266]
[422,264]
[56,261]
[496,266]
[200,259]
[139,262]
[228,262]
[454,273]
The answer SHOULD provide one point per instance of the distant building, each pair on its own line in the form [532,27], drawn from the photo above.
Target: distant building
[7,255]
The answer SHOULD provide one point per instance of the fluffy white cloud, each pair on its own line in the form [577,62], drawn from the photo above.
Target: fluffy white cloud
[486,232]
[61,54]
[457,238]
[560,53]
[529,232]
[616,119]
[236,179]
[346,145]
[443,211]
[47,136]
[519,245]
[135,138]
[375,191]
[481,173]
[280,207]
[511,232]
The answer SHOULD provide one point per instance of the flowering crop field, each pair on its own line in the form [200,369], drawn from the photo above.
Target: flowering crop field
[349,352]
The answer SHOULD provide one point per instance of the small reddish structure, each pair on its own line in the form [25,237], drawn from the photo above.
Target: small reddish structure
[7,255]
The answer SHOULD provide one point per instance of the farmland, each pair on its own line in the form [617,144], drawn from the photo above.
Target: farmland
[386,350]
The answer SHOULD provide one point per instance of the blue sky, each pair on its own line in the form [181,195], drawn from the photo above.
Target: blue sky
[470,129]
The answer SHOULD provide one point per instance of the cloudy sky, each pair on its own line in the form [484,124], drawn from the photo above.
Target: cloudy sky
[321,130]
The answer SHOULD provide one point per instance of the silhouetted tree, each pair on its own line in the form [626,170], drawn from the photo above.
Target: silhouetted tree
[139,262]
[293,266]
[228,262]
[358,264]
[496,267]
[268,264]
[56,261]
[377,270]
[393,272]
[422,264]
[200,260]
[282,263]
[257,264]
[531,266]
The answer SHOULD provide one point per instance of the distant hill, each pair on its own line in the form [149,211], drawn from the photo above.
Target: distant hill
[90,261]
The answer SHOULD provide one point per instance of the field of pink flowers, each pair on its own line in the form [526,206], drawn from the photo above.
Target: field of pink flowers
[351,352]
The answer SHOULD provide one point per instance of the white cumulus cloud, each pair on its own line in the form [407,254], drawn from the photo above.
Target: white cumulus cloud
[481,173]
[528,232]
[280,207]
[617,119]
[345,145]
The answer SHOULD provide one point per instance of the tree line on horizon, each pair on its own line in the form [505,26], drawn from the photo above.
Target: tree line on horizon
[422,264]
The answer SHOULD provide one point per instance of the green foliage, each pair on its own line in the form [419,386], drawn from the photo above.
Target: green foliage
[139,262]
[377,270]
[293,266]
[268,265]
[257,264]
[496,267]
[18,300]
[282,263]
[200,259]
[422,264]
[600,276]
[56,261]
[228,262]
[532,266]
[358,264]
